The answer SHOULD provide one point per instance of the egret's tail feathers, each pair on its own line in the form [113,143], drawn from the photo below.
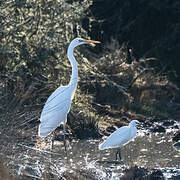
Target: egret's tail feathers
[43,132]
[101,146]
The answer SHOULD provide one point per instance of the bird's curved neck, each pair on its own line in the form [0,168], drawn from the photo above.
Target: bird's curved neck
[74,75]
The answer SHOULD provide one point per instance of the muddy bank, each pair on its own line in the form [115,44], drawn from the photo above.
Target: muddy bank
[127,173]
[148,156]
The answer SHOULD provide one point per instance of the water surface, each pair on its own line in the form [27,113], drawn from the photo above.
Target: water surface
[154,151]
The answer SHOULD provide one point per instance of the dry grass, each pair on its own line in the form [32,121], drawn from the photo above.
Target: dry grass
[107,90]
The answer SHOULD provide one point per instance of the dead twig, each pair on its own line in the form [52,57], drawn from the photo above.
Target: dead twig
[138,76]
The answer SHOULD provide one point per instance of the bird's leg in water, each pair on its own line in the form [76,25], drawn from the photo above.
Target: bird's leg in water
[118,154]
[64,131]
[52,140]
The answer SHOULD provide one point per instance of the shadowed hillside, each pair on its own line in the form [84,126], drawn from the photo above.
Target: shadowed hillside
[150,28]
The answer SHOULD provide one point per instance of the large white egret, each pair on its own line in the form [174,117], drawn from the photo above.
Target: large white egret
[58,104]
[120,137]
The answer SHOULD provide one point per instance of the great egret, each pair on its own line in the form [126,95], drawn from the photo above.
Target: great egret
[120,137]
[58,104]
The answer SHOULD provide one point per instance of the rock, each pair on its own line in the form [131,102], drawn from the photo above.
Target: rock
[158,129]
[176,127]
[134,173]
[176,146]
[142,173]
[156,174]
[168,123]
[176,137]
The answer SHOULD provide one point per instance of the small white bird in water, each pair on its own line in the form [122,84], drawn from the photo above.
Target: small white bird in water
[120,137]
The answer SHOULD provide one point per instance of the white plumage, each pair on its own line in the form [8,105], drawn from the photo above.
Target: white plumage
[121,136]
[55,111]
[58,104]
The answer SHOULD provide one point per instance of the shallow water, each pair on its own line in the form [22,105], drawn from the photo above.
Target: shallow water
[83,157]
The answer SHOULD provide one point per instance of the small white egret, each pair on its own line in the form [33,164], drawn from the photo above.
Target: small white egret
[58,104]
[120,137]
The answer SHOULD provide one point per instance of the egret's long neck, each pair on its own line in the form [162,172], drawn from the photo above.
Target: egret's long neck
[74,75]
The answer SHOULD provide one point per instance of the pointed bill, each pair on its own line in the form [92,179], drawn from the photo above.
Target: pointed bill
[91,41]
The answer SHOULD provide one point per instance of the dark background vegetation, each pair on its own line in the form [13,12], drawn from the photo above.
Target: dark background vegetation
[133,74]
[135,71]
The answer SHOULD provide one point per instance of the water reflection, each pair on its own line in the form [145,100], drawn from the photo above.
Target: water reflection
[154,151]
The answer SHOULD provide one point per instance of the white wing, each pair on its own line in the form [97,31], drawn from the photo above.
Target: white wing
[55,110]
[117,138]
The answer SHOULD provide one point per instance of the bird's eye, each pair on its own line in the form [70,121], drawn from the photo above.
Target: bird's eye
[80,40]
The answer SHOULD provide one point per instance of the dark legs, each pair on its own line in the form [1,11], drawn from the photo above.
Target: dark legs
[52,141]
[64,131]
[64,138]
[118,154]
